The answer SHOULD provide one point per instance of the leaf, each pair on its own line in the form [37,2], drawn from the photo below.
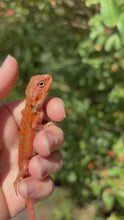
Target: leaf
[112,42]
[119,146]
[82,144]
[120,27]
[100,40]
[108,199]
[72,177]
[91,2]
[120,198]
[109,13]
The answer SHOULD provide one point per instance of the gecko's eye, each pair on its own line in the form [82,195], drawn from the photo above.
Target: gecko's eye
[41,84]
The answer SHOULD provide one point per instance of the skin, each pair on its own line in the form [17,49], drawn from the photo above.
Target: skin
[48,160]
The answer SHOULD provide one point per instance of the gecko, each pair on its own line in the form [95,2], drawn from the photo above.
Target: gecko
[31,122]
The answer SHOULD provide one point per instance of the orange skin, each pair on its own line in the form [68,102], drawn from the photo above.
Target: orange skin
[32,116]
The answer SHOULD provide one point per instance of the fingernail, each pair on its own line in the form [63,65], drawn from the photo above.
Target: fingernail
[5,61]
[43,167]
[28,188]
[49,141]
[63,109]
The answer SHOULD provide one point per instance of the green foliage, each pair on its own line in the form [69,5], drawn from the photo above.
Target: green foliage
[81,44]
[109,12]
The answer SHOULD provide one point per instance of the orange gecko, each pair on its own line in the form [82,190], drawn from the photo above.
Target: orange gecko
[32,116]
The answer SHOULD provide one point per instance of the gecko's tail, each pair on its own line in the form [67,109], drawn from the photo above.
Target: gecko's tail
[30,209]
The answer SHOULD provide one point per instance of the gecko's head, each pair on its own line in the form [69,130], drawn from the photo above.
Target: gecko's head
[37,89]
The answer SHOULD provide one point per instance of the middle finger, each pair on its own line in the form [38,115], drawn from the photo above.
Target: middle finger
[40,167]
[48,140]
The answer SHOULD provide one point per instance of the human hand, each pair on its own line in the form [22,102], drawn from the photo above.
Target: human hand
[48,159]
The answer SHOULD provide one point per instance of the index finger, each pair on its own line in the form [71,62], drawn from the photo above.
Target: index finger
[55,109]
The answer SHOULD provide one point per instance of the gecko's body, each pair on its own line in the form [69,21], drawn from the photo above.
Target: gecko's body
[32,116]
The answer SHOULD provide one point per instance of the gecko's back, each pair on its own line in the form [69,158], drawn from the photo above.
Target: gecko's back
[36,92]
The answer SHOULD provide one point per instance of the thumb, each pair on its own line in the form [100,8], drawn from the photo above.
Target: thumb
[8,75]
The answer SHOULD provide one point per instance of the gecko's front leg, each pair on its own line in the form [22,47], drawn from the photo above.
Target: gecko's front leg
[37,122]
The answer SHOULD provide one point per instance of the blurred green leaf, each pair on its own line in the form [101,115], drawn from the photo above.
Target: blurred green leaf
[108,199]
[72,177]
[91,2]
[120,26]
[109,12]
[120,198]
[113,42]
